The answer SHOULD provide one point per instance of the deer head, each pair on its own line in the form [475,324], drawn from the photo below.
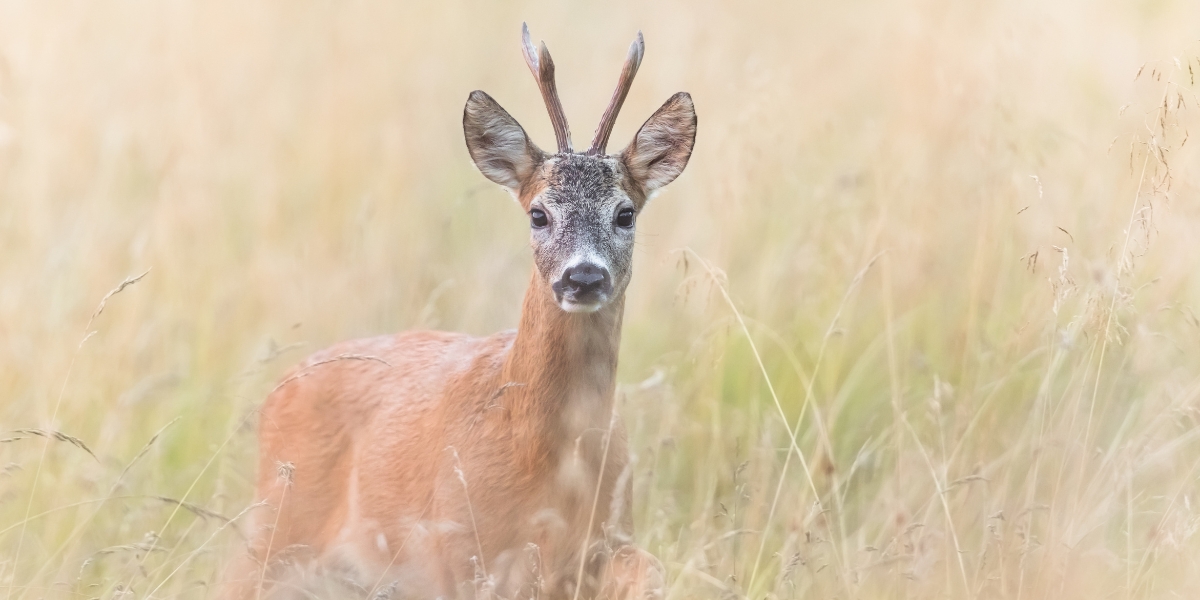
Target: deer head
[582,207]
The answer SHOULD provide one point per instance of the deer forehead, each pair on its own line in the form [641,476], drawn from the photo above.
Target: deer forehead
[582,181]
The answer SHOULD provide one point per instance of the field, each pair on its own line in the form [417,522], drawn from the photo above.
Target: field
[920,320]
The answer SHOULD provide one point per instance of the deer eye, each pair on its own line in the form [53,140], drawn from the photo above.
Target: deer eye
[538,219]
[625,218]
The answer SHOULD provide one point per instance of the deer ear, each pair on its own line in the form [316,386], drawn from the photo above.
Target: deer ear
[497,143]
[663,145]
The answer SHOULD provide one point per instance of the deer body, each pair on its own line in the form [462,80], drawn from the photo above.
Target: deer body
[454,466]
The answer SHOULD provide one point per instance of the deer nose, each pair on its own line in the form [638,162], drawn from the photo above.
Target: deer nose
[585,277]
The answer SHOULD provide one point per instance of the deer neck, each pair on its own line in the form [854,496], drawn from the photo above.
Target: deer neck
[561,371]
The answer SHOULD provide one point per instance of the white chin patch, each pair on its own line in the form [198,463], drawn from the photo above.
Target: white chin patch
[578,307]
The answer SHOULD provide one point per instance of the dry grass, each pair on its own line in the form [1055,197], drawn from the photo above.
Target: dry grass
[935,333]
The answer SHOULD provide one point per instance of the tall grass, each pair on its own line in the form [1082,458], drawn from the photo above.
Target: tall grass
[919,321]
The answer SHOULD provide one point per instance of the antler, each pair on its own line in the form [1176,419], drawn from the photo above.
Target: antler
[632,61]
[542,67]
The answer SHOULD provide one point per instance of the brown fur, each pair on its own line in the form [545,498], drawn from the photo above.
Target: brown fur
[376,450]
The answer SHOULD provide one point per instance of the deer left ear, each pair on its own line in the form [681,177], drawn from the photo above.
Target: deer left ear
[497,143]
[663,145]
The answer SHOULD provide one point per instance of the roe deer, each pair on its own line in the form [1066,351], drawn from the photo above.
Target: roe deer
[444,465]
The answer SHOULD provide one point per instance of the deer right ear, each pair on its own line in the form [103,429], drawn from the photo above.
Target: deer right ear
[498,144]
[663,145]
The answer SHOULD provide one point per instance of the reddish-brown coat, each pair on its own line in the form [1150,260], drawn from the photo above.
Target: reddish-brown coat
[408,455]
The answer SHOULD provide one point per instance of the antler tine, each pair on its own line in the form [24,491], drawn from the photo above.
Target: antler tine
[542,67]
[633,59]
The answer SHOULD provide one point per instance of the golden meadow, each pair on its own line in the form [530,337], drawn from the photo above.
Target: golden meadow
[920,320]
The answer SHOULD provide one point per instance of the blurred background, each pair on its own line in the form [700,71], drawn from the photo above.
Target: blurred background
[918,321]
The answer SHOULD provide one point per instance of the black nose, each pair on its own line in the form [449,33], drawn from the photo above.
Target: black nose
[585,277]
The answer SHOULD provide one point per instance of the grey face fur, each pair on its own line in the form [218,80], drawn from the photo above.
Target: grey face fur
[589,221]
[582,207]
